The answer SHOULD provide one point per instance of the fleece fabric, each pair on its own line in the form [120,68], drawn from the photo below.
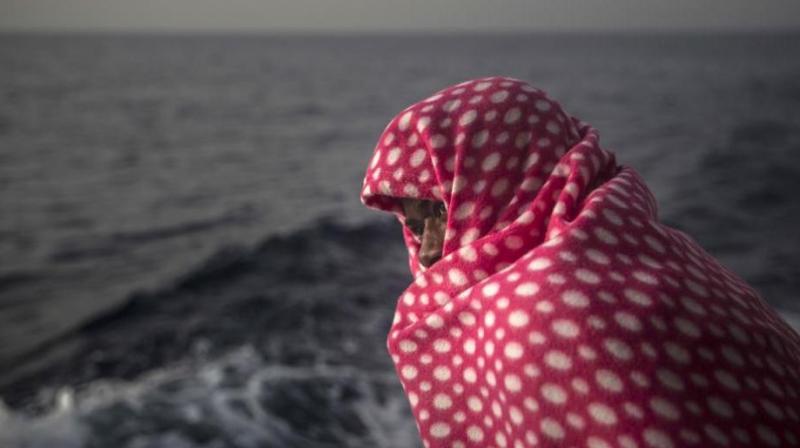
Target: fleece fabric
[562,312]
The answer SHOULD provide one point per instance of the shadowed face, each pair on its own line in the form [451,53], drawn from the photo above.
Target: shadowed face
[428,221]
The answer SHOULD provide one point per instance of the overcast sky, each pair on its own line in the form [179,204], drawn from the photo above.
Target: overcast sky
[370,15]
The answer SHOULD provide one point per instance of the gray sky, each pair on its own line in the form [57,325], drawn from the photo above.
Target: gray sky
[369,15]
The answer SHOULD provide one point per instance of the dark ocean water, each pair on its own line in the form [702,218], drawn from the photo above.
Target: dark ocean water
[184,260]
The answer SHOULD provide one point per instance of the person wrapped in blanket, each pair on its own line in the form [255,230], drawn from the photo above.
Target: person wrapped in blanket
[549,306]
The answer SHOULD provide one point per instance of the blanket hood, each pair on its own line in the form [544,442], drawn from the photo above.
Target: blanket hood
[497,151]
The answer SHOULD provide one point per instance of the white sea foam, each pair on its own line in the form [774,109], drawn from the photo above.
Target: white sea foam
[224,400]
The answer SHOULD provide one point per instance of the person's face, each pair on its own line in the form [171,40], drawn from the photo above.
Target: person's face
[428,221]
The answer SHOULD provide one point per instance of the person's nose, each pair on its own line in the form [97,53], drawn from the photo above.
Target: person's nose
[431,247]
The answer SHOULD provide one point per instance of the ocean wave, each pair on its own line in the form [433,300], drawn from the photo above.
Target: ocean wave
[757,168]
[309,310]
[240,399]
[116,242]
[15,279]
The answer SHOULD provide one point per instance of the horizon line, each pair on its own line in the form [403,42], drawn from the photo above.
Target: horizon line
[400,32]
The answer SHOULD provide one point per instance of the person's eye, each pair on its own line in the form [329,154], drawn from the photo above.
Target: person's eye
[415,226]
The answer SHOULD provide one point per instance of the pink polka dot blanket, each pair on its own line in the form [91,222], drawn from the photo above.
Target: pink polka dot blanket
[562,313]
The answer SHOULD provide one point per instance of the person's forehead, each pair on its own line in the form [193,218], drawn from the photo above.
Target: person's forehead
[416,206]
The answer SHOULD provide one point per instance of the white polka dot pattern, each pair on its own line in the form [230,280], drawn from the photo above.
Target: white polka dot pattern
[562,313]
